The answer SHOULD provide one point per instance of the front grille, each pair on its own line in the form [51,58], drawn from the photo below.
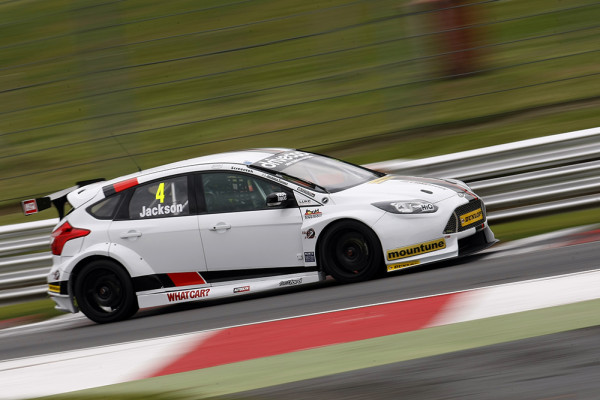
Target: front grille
[454,222]
[451,225]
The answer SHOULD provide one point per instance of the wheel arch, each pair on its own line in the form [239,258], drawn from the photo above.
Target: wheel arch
[331,225]
[85,261]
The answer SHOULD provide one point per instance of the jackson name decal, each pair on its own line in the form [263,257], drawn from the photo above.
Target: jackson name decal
[416,249]
[161,210]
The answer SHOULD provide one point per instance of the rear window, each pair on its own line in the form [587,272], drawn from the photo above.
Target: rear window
[105,209]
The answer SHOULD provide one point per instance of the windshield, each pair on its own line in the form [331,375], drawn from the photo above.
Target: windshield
[328,173]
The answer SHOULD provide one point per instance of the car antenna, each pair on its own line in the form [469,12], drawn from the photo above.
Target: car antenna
[126,152]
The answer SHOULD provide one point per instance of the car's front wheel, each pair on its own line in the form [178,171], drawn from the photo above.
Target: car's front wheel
[104,292]
[351,252]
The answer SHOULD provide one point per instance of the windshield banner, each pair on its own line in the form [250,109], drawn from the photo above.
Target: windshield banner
[280,161]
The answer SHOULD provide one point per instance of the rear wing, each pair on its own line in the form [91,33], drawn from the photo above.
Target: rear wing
[58,199]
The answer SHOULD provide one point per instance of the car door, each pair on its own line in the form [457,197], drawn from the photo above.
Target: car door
[158,226]
[239,231]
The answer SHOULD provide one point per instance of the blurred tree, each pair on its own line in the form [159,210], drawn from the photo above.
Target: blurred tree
[458,34]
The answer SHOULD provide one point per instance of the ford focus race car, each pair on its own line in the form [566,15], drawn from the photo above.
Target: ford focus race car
[233,223]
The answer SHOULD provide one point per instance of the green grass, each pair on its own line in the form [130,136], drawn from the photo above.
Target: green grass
[351,79]
[37,310]
[535,226]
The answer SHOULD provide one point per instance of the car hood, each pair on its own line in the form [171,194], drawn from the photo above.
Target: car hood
[395,187]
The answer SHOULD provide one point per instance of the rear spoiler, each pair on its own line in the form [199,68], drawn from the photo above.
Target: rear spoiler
[58,199]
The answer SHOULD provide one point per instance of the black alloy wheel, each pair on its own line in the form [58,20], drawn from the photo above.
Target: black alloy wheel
[104,292]
[351,252]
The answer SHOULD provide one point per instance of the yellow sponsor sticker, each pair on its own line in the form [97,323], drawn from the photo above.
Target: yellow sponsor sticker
[471,217]
[54,288]
[382,179]
[416,249]
[395,267]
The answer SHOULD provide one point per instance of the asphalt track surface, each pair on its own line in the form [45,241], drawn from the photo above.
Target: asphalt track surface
[559,366]
[470,272]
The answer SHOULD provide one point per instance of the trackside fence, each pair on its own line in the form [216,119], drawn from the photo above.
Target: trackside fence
[516,180]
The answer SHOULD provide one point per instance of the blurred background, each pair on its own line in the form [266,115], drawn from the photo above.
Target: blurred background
[101,88]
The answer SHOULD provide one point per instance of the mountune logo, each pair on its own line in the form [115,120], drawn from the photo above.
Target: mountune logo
[416,249]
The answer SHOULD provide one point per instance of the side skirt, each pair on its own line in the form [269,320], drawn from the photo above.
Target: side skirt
[220,290]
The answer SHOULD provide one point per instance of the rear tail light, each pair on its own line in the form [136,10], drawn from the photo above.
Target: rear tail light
[63,234]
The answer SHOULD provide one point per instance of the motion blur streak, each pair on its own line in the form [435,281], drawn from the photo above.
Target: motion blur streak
[112,84]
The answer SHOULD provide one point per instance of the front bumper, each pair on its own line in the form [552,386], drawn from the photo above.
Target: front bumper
[481,240]
[458,228]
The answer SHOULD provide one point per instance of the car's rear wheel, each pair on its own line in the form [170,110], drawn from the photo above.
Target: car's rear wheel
[104,292]
[351,252]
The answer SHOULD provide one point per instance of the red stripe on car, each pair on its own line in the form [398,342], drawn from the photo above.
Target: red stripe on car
[120,186]
[187,278]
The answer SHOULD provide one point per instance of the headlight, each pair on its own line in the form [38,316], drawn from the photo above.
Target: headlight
[407,206]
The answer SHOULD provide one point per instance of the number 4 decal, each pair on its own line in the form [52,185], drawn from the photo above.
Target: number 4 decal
[160,193]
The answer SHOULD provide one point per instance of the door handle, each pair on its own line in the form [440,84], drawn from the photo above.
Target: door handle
[219,227]
[130,234]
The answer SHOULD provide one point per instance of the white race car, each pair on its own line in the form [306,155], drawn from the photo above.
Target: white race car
[232,223]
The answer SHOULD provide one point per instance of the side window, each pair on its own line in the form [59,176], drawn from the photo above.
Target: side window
[159,199]
[106,208]
[232,192]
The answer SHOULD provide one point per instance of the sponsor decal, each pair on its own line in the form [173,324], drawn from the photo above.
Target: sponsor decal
[471,217]
[187,295]
[159,209]
[247,170]
[309,234]
[56,275]
[304,201]
[53,288]
[395,267]
[280,161]
[29,206]
[312,213]
[291,282]
[241,289]
[281,196]
[304,191]
[275,179]
[416,249]
[309,256]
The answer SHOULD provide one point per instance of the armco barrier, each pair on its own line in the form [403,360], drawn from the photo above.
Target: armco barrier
[526,178]
[516,180]
[24,259]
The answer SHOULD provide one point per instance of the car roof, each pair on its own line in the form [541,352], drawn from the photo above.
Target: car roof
[244,157]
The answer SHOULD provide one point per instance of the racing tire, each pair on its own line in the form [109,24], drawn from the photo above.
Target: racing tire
[104,292]
[350,252]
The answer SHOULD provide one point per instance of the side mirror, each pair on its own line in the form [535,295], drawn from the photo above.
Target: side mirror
[276,199]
